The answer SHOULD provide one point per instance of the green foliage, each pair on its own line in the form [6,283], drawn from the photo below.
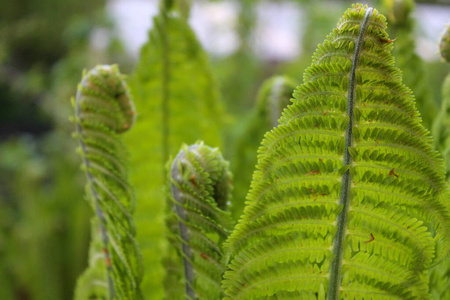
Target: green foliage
[103,110]
[178,102]
[415,72]
[273,97]
[441,126]
[440,275]
[46,233]
[198,223]
[399,11]
[348,199]
[43,229]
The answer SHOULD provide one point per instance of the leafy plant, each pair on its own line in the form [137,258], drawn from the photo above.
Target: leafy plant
[198,222]
[177,102]
[413,67]
[440,275]
[274,95]
[348,200]
[103,109]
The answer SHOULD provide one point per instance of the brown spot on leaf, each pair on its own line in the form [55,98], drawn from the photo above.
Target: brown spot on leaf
[371,239]
[192,179]
[392,173]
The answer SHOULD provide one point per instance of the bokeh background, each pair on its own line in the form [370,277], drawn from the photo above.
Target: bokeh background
[45,45]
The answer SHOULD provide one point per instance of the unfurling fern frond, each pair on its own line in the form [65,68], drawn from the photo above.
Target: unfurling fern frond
[273,97]
[178,102]
[103,110]
[198,223]
[348,197]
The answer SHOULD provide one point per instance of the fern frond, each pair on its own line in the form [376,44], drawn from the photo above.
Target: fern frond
[273,96]
[178,102]
[103,110]
[198,221]
[348,199]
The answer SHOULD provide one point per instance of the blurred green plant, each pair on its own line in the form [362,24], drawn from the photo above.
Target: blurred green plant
[415,72]
[273,97]
[44,227]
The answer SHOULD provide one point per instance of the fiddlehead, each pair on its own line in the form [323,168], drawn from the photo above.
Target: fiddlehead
[178,101]
[103,110]
[198,221]
[345,203]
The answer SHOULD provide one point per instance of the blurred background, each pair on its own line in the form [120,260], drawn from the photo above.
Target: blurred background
[45,45]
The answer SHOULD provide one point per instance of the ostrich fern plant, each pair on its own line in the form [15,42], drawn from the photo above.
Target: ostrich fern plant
[199,223]
[103,110]
[348,200]
[177,102]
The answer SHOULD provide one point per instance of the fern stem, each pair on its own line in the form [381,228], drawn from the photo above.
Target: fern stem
[336,267]
[98,211]
[184,232]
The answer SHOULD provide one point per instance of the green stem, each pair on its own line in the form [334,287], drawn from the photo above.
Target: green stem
[336,267]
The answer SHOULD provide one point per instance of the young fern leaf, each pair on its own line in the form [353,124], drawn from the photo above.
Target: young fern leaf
[103,110]
[178,102]
[348,197]
[198,221]
[273,96]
